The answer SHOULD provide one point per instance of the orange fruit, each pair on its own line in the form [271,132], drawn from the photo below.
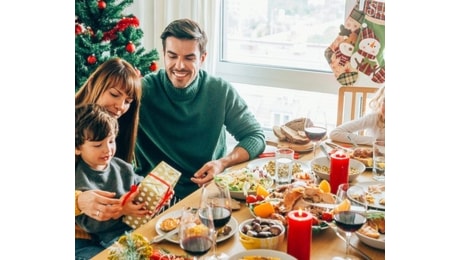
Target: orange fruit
[264,210]
[260,190]
[345,205]
[324,186]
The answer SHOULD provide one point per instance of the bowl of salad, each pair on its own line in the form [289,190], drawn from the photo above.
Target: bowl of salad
[244,181]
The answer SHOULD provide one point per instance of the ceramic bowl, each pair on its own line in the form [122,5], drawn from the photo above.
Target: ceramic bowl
[249,241]
[321,165]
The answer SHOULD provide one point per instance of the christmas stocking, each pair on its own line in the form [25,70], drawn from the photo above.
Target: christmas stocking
[357,52]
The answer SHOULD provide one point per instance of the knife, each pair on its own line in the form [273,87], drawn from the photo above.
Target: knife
[332,206]
[272,154]
[325,151]
[336,146]
[159,238]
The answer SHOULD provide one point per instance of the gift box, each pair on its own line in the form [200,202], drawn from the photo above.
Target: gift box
[155,190]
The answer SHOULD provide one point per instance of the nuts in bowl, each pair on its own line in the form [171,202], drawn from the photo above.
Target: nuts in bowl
[260,233]
[320,166]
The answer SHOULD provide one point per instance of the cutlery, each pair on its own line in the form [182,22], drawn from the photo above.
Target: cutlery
[336,146]
[332,206]
[323,149]
[159,238]
[355,145]
[272,154]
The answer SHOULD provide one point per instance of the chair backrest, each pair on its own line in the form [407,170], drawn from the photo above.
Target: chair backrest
[352,102]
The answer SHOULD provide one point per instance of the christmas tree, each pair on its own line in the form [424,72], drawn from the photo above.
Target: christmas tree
[102,32]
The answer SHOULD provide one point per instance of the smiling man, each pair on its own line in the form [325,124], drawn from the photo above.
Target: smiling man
[185,113]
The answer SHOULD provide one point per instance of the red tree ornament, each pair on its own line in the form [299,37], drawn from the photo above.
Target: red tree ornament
[91,59]
[130,47]
[101,5]
[153,66]
[78,29]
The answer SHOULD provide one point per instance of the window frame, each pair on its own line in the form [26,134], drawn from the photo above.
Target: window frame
[272,76]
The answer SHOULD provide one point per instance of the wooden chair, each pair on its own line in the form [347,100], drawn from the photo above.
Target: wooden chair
[352,102]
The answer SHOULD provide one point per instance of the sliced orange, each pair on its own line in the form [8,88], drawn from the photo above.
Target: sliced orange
[345,205]
[264,210]
[260,190]
[324,186]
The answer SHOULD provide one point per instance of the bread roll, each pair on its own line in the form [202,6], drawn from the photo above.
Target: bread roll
[296,124]
[293,136]
[278,133]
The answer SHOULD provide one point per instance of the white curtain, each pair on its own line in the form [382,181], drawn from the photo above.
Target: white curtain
[155,15]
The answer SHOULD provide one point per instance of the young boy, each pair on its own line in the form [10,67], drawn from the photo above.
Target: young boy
[96,168]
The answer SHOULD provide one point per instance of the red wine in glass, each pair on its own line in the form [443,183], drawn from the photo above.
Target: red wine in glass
[349,221]
[221,217]
[315,133]
[197,245]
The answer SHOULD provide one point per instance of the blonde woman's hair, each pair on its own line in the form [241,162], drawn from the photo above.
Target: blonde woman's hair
[376,104]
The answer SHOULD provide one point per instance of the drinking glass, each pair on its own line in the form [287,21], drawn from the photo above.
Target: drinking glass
[216,198]
[196,231]
[350,219]
[316,127]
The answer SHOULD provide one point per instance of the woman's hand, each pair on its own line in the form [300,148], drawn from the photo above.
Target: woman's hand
[99,204]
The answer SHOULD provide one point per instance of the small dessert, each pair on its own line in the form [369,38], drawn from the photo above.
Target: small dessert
[169,224]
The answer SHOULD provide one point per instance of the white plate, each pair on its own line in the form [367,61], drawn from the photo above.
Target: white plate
[175,238]
[259,164]
[262,252]
[236,179]
[378,243]
[377,196]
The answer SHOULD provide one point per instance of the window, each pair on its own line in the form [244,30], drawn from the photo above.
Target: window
[273,53]
[279,43]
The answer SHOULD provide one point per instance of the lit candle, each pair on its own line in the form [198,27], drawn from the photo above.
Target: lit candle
[339,170]
[299,234]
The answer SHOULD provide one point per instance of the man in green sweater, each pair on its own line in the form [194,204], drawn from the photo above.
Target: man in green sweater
[185,113]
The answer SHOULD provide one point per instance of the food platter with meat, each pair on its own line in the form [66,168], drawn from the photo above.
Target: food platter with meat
[294,196]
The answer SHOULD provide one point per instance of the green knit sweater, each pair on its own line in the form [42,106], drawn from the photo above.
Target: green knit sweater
[186,127]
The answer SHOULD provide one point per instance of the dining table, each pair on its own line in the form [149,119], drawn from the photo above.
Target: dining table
[325,243]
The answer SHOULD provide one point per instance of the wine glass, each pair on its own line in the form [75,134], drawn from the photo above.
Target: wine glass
[196,231]
[217,197]
[352,217]
[315,127]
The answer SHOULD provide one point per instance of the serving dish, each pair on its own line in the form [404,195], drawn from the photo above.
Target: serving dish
[278,255]
[233,224]
[244,178]
[321,167]
[300,170]
[378,243]
[375,194]
[257,242]
[315,228]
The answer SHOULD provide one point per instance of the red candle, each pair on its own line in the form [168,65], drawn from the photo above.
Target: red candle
[339,170]
[299,234]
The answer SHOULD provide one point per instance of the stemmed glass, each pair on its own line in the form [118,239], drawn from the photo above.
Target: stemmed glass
[196,231]
[354,217]
[217,197]
[315,127]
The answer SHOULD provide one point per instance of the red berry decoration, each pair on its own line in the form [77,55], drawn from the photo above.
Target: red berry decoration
[101,5]
[91,59]
[153,66]
[130,47]
[78,29]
